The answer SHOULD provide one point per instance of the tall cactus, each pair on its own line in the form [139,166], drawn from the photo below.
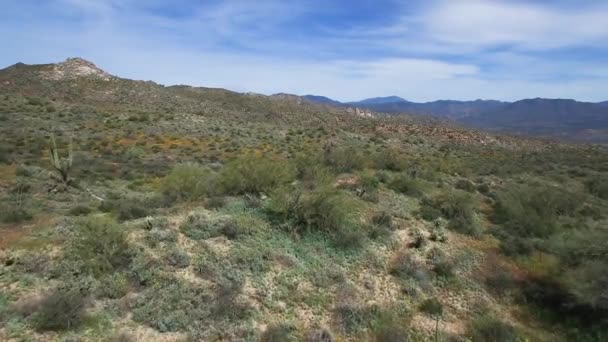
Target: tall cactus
[62,165]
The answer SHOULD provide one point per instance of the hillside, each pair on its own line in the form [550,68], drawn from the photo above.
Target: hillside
[134,211]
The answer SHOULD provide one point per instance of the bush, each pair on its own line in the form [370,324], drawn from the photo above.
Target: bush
[389,327]
[369,184]
[113,286]
[320,335]
[533,211]
[280,333]
[311,170]
[177,258]
[405,266]
[488,328]
[63,309]
[200,227]
[438,235]
[100,245]
[170,305]
[189,182]
[126,208]
[407,185]
[598,186]
[35,101]
[383,219]
[80,210]
[345,159]
[383,324]
[216,202]
[432,307]
[255,174]
[326,209]
[389,159]
[456,206]
[465,184]
[12,213]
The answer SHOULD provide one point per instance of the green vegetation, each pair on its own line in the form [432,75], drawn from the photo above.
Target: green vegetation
[202,214]
[60,310]
[189,182]
[99,246]
[487,328]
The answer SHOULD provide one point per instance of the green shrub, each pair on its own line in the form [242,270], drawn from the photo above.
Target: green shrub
[432,307]
[334,212]
[458,207]
[383,219]
[226,303]
[113,286]
[325,209]
[407,185]
[310,168]
[438,235]
[216,202]
[80,210]
[369,185]
[177,258]
[35,101]
[465,184]
[100,245]
[160,222]
[199,227]
[388,326]
[405,266]
[533,211]
[383,324]
[345,159]
[189,182]
[255,174]
[144,269]
[126,208]
[62,309]
[320,335]
[280,333]
[171,305]
[390,159]
[598,186]
[488,328]
[501,282]
[12,212]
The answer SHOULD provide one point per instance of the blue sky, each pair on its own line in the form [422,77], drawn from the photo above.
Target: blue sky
[347,50]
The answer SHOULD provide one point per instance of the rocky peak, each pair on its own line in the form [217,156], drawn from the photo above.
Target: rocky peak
[74,68]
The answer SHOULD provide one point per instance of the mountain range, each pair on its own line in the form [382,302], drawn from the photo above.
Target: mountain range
[555,118]
[72,80]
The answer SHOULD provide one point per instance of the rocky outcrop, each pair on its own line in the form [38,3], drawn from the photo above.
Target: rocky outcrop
[73,68]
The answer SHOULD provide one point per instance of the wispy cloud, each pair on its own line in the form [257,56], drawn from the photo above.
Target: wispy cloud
[424,50]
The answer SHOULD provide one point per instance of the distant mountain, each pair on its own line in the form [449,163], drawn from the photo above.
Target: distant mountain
[561,118]
[547,117]
[378,101]
[322,100]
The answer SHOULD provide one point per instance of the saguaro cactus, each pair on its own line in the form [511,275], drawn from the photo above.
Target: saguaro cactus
[62,165]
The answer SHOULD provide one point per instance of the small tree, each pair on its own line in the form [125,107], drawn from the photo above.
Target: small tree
[62,165]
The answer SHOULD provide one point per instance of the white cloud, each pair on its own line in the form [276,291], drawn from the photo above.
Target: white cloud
[530,26]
